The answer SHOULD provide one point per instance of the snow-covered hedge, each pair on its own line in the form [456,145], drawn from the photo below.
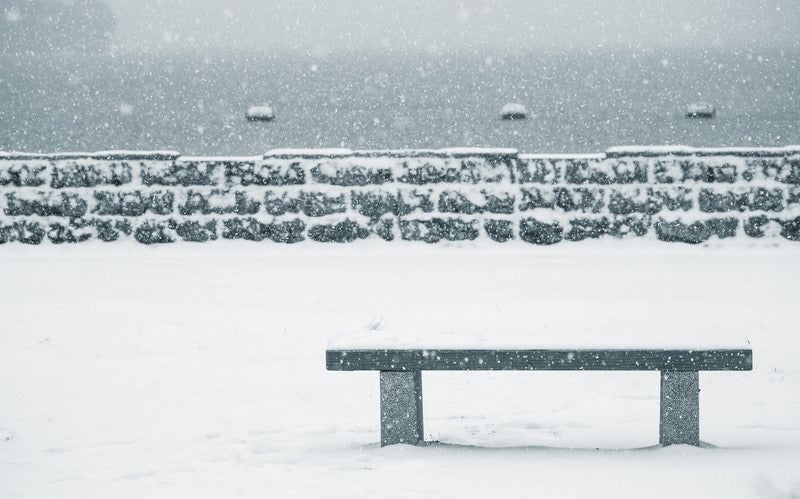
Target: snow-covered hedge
[288,196]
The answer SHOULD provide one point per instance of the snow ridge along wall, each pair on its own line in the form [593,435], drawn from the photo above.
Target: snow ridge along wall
[674,194]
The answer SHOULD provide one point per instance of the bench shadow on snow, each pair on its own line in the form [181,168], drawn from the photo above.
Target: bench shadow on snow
[532,448]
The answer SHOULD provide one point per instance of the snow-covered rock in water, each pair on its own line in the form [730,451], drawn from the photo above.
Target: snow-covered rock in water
[700,110]
[260,113]
[513,111]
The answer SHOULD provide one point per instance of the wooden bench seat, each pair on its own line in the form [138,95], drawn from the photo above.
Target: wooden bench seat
[401,378]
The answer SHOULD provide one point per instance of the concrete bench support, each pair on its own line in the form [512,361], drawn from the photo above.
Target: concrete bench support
[401,407]
[680,408]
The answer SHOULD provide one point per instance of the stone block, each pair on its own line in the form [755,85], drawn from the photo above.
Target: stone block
[605,172]
[383,228]
[536,232]
[766,199]
[790,172]
[499,202]
[253,230]
[666,171]
[723,228]
[673,198]
[539,171]
[696,232]
[447,169]
[23,173]
[629,171]
[582,199]
[586,228]
[754,226]
[346,231]
[218,202]
[111,230]
[152,232]
[536,197]
[89,173]
[792,196]
[312,204]
[351,172]
[677,231]
[499,230]
[700,170]
[759,198]
[59,233]
[637,225]
[133,204]
[781,169]
[436,229]
[271,172]
[634,201]
[462,203]
[194,231]
[456,202]
[790,229]
[184,173]
[711,201]
[761,168]
[22,231]
[46,204]
[374,204]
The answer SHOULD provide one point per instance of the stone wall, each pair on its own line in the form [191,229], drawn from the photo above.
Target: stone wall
[673,194]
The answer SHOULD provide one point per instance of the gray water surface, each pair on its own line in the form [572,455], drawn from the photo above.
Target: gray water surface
[578,102]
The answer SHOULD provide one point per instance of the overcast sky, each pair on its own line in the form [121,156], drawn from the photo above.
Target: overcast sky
[331,26]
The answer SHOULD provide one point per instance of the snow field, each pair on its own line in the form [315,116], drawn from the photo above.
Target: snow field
[132,371]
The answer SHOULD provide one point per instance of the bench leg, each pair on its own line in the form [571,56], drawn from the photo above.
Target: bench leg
[401,407]
[680,408]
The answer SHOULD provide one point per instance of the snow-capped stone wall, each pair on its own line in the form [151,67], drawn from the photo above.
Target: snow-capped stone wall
[288,196]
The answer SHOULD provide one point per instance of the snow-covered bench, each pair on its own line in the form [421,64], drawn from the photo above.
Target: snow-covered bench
[401,378]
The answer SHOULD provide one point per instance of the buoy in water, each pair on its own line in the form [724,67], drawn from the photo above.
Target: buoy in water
[513,111]
[700,110]
[260,113]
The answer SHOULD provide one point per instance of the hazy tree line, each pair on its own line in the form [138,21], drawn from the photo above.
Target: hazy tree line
[44,26]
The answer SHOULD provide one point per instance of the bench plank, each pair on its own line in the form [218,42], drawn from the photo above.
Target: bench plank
[540,360]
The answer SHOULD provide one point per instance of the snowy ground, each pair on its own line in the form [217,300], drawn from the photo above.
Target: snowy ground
[198,371]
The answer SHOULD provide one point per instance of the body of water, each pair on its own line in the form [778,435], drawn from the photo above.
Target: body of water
[577,102]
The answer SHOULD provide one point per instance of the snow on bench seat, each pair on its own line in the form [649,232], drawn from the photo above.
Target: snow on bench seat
[539,360]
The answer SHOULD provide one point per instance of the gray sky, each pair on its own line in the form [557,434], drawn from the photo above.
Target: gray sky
[320,27]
